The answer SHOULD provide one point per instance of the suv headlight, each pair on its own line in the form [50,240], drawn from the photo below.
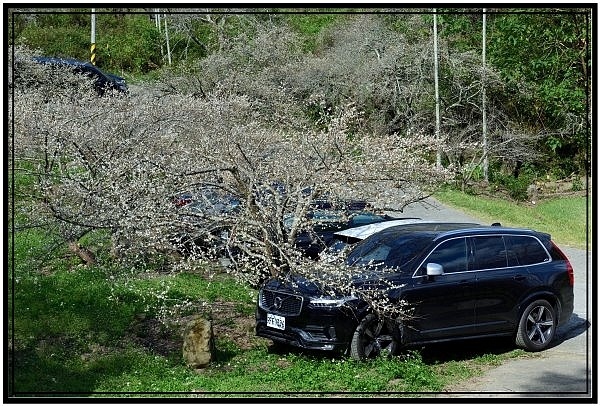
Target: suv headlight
[331,302]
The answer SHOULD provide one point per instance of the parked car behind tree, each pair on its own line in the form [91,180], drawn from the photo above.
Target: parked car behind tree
[205,216]
[323,224]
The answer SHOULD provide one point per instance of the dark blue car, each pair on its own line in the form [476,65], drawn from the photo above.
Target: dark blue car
[103,82]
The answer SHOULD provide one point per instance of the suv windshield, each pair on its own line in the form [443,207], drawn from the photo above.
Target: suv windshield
[389,250]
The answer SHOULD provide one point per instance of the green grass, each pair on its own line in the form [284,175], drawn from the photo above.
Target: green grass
[564,218]
[310,26]
[258,371]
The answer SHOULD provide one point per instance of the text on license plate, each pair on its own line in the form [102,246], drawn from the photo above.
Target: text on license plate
[275,321]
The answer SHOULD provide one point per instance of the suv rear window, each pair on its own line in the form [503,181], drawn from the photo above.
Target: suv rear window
[524,250]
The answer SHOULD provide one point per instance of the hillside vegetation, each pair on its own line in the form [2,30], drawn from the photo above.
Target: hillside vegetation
[381,60]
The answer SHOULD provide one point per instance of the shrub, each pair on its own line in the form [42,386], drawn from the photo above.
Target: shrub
[515,186]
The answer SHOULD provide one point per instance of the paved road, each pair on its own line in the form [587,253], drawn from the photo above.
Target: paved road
[562,371]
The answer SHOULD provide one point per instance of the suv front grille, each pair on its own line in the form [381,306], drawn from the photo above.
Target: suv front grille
[281,303]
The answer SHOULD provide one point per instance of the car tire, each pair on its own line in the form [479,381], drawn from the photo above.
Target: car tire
[373,337]
[537,326]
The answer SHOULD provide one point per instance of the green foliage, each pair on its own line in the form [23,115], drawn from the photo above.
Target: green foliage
[190,46]
[548,54]
[462,31]
[124,43]
[60,40]
[129,43]
[516,186]
[310,27]
[577,184]
[416,28]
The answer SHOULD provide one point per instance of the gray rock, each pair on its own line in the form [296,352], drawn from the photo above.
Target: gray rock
[198,343]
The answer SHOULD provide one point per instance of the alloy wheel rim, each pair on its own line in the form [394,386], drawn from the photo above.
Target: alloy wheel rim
[540,325]
[374,342]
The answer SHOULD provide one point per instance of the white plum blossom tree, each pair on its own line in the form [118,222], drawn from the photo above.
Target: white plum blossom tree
[118,163]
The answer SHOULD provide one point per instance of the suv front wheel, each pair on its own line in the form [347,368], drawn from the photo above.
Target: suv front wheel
[537,326]
[371,338]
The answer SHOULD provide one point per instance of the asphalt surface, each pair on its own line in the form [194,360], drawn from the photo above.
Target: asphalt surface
[562,371]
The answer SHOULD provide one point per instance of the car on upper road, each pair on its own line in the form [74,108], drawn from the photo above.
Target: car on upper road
[460,280]
[104,83]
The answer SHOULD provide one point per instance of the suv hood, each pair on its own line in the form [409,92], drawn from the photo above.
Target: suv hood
[299,284]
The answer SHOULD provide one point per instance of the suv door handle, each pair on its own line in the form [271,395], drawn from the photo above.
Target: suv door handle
[519,277]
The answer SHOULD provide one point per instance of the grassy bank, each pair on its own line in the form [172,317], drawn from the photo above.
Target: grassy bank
[563,218]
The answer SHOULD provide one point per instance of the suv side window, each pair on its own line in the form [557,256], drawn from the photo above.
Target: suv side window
[489,252]
[451,255]
[527,250]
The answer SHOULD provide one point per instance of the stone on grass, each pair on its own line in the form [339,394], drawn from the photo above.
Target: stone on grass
[198,343]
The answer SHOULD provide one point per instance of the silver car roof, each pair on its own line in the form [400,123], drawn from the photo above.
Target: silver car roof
[363,232]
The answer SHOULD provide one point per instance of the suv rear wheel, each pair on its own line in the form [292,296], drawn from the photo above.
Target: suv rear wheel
[371,338]
[537,326]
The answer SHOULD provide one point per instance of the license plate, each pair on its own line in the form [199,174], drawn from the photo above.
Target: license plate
[275,321]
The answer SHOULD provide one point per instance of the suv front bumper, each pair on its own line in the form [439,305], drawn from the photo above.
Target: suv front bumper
[329,329]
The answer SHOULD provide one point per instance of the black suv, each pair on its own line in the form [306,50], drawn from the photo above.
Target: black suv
[462,281]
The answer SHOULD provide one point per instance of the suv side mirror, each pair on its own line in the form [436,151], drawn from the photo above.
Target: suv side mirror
[434,269]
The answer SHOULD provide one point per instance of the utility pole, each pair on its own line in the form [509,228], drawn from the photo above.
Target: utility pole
[157,18]
[93,39]
[159,27]
[167,38]
[483,106]
[437,91]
